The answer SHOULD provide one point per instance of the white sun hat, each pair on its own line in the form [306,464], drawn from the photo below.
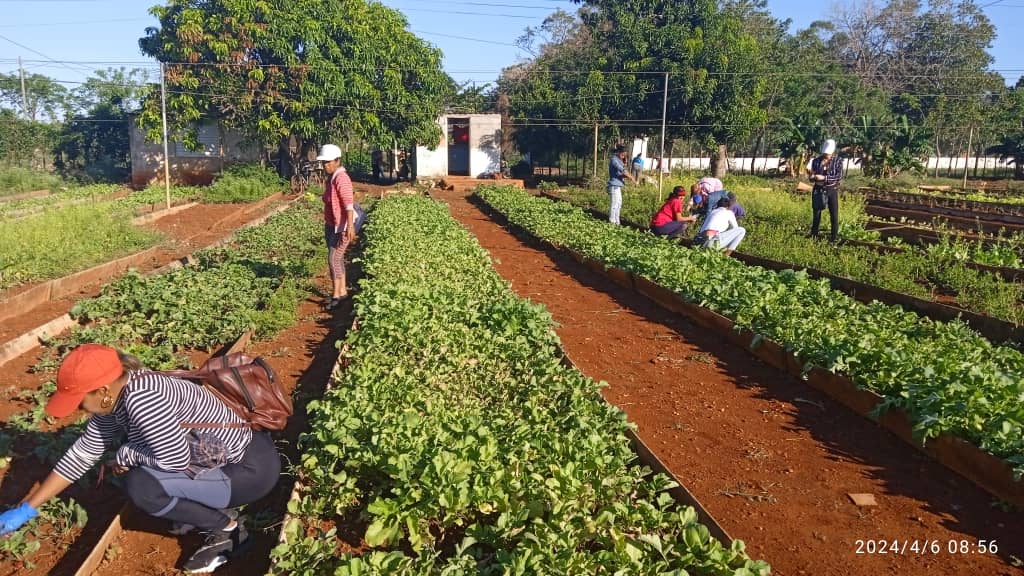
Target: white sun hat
[328,152]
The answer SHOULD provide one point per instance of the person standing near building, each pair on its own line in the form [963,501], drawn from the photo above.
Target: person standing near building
[825,173]
[638,165]
[617,175]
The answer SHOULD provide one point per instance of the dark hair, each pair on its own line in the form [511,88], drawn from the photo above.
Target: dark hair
[724,203]
[130,362]
[677,192]
[731,196]
[619,148]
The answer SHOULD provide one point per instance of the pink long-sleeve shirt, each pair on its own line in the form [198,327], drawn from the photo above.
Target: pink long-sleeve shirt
[338,198]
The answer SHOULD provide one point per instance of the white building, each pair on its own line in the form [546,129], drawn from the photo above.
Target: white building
[470,146]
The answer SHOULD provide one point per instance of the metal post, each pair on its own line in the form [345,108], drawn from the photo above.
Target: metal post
[664,114]
[595,150]
[24,98]
[970,138]
[167,157]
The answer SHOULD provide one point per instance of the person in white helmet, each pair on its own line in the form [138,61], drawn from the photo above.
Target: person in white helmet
[339,219]
[826,173]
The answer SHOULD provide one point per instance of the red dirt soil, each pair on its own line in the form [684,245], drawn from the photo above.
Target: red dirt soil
[772,459]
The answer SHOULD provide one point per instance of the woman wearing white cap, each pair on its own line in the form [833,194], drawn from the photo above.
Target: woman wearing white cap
[825,172]
[339,219]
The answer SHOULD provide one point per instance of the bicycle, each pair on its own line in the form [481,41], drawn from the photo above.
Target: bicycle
[309,174]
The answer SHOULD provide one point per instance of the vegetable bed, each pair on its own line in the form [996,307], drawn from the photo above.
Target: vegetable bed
[943,375]
[168,320]
[456,442]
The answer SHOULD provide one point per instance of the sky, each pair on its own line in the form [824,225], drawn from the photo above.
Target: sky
[67,39]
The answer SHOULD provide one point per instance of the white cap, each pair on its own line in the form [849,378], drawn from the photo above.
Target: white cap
[328,152]
[828,147]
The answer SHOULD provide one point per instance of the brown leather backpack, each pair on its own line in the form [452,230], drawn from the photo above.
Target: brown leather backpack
[247,385]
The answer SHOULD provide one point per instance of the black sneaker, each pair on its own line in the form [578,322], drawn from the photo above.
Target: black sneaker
[216,549]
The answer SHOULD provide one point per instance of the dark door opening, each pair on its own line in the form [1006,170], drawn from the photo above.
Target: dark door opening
[458,146]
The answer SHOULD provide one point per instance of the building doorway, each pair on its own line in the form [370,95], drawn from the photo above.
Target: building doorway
[458,146]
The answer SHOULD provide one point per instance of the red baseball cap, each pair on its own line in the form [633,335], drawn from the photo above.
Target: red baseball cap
[88,367]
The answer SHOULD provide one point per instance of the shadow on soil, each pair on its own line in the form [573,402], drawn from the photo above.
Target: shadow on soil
[847,436]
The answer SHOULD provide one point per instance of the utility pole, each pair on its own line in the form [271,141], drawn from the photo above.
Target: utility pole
[24,98]
[970,138]
[167,157]
[664,115]
[595,150]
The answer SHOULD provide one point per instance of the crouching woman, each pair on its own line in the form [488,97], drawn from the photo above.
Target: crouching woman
[187,457]
[720,230]
[671,220]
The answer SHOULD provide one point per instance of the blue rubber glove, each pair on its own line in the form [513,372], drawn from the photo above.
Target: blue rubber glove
[16,517]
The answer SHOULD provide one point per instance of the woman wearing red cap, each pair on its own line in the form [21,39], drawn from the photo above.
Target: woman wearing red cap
[187,458]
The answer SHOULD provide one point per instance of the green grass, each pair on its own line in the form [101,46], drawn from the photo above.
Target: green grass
[243,183]
[15,180]
[59,242]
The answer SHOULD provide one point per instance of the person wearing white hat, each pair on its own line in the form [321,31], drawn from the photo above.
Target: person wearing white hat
[339,219]
[826,173]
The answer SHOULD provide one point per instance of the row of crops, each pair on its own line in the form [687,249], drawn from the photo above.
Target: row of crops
[945,376]
[456,442]
[256,281]
[52,236]
[776,223]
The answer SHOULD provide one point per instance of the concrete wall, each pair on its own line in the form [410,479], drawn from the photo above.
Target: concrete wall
[484,147]
[763,164]
[484,144]
[188,167]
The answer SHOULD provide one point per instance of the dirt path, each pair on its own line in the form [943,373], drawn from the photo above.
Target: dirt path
[772,459]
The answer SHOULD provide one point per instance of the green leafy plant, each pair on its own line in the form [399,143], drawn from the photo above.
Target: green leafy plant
[463,445]
[945,376]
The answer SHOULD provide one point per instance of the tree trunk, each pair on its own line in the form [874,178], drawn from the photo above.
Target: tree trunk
[1018,169]
[720,162]
[284,158]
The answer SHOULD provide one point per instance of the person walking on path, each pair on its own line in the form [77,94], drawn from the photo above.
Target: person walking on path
[339,219]
[720,229]
[186,456]
[671,220]
[617,175]
[825,173]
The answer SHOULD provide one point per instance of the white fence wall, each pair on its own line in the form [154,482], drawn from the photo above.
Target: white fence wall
[765,164]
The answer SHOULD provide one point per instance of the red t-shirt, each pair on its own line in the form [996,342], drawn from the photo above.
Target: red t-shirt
[668,212]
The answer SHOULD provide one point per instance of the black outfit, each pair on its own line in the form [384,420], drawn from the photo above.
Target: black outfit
[826,193]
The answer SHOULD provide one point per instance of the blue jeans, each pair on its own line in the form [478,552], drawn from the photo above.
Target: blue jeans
[616,204]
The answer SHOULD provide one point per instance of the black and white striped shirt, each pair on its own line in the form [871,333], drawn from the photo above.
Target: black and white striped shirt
[150,410]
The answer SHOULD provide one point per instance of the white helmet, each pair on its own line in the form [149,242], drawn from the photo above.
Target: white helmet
[828,147]
[328,152]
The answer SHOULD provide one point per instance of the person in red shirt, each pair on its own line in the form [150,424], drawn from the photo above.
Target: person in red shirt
[339,219]
[671,220]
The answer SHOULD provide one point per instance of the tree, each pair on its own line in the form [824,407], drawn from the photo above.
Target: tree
[303,70]
[95,143]
[714,58]
[43,96]
[1011,151]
